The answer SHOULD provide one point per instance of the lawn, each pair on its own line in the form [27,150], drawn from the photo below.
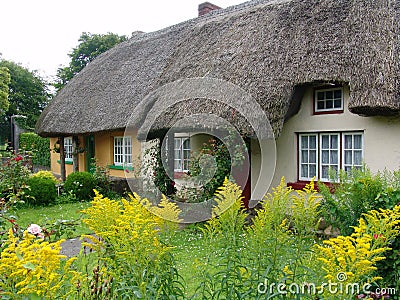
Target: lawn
[59,215]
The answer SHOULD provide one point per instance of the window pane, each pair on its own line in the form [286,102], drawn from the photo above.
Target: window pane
[304,142]
[320,95]
[186,154]
[304,156]
[338,94]
[329,95]
[357,141]
[320,104]
[313,142]
[313,156]
[337,103]
[329,104]
[325,156]
[186,144]
[304,171]
[177,164]
[313,170]
[358,157]
[325,172]
[325,142]
[333,170]
[334,142]
[177,142]
[348,142]
[348,160]
[334,157]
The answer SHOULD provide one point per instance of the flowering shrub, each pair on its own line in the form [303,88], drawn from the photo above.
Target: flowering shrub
[81,184]
[35,230]
[13,178]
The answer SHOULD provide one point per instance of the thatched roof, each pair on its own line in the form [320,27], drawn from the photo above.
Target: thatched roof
[271,49]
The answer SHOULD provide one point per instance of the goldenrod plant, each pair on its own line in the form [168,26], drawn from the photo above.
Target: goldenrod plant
[31,268]
[352,259]
[139,263]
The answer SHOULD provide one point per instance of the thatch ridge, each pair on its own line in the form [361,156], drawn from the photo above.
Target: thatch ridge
[268,48]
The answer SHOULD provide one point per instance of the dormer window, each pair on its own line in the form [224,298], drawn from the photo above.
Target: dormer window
[328,100]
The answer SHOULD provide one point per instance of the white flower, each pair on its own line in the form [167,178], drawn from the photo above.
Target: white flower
[34,229]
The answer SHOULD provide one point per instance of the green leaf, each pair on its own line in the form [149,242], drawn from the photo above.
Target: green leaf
[29,265]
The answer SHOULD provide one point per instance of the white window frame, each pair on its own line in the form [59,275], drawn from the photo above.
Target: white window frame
[346,166]
[308,149]
[181,159]
[122,153]
[68,148]
[330,149]
[341,149]
[333,108]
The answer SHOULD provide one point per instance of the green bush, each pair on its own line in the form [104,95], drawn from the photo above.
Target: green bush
[42,188]
[81,184]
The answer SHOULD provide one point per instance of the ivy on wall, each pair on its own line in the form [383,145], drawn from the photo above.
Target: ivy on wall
[38,146]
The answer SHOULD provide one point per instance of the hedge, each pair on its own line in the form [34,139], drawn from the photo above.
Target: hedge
[40,148]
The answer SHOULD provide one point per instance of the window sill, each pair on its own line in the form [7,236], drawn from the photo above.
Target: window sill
[329,112]
[301,184]
[178,175]
[114,167]
[67,162]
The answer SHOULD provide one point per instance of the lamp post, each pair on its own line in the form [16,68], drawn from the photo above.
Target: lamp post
[14,133]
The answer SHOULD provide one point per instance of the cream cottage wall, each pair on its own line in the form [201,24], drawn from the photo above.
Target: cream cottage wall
[381,138]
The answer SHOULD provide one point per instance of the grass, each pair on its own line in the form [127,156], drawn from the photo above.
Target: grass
[52,215]
[192,256]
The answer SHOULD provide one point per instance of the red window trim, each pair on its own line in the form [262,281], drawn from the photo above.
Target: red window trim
[300,184]
[328,112]
[178,175]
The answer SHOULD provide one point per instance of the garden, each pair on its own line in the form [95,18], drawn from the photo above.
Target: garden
[337,242]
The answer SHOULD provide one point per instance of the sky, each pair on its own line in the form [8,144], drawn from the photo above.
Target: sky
[39,34]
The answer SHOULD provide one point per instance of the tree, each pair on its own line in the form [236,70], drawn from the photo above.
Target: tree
[27,95]
[89,47]
[4,89]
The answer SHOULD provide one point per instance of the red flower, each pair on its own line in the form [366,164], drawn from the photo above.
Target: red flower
[18,158]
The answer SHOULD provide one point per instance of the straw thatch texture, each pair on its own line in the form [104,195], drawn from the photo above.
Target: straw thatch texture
[271,49]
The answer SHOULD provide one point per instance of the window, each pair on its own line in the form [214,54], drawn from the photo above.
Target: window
[323,153]
[329,155]
[328,100]
[122,151]
[352,151]
[68,148]
[181,154]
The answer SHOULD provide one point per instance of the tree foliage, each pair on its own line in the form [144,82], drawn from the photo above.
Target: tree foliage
[4,82]
[89,47]
[27,95]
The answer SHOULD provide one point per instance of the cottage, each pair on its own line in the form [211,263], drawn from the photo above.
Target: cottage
[325,75]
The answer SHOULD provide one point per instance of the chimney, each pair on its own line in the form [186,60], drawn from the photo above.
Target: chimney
[206,7]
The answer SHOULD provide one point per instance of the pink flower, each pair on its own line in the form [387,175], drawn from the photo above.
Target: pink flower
[375,236]
[34,229]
